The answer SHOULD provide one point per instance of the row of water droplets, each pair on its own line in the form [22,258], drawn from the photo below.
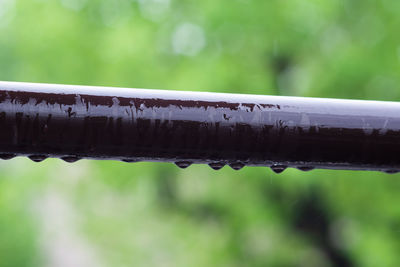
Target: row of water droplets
[214,165]
[40,158]
[277,168]
[181,164]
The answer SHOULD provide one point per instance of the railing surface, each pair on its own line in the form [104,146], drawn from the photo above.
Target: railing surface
[75,122]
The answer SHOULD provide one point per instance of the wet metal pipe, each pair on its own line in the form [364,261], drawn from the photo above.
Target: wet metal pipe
[74,122]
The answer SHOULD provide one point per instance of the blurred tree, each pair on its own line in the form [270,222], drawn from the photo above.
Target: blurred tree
[149,214]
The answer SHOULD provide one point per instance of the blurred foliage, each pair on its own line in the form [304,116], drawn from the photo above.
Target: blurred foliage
[147,214]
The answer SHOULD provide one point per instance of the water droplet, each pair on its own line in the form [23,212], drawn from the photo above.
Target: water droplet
[183,164]
[45,128]
[236,166]
[7,156]
[70,159]
[130,160]
[278,168]
[305,168]
[216,165]
[37,158]
[392,171]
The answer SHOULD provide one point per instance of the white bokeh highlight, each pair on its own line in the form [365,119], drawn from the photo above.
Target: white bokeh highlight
[188,39]
[154,9]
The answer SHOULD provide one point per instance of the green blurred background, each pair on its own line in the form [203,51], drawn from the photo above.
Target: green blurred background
[94,213]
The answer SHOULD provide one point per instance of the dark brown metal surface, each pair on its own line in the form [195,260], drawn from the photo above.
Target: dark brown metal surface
[74,122]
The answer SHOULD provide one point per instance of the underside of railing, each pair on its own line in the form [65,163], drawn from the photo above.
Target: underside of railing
[76,122]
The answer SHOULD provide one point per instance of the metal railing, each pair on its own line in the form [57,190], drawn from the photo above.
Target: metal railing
[75,122]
